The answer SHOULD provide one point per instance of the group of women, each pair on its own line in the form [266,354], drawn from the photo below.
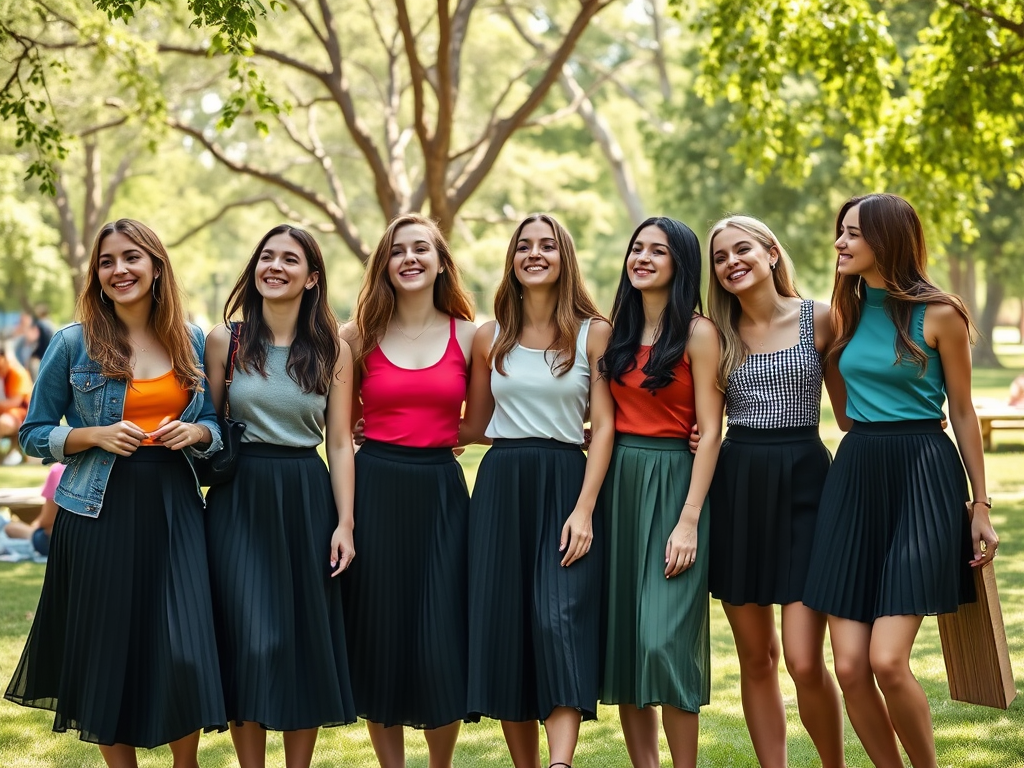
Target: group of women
[569,577]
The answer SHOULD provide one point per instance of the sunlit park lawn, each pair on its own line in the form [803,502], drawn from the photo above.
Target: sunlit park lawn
[966,736]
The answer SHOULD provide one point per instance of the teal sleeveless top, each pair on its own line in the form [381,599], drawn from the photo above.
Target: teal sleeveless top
[877,387]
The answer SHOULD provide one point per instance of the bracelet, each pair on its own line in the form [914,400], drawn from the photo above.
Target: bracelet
[987,502]
[688,504]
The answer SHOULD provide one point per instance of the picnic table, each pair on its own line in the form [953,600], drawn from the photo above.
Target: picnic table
[997,415]
[25,503]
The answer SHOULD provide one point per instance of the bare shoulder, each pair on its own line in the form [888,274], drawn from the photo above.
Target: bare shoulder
[217,340]
[465,330]
[349,333]
[824,335]
[944,321]
[703,330]
[598,336]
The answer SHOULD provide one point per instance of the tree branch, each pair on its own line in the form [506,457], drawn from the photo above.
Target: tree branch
[1016,28]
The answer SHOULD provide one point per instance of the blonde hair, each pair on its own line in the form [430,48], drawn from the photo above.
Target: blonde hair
[724,308]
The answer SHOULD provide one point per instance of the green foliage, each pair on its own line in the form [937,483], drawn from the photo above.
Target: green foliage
[931,107]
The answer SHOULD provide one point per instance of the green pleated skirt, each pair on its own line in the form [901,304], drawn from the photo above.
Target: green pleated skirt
[656,643]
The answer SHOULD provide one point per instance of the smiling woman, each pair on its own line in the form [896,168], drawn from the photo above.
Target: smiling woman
[122,647]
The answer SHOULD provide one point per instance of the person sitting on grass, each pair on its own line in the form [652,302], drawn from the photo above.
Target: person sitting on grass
[16,390]
[39,530]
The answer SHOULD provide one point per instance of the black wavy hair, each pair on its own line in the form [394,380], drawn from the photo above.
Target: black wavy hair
[628,310]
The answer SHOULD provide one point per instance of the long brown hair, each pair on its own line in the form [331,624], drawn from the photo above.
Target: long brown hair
[892,229]
[574,303]
[724,308]
[106,336]
[314,352]
[376,303]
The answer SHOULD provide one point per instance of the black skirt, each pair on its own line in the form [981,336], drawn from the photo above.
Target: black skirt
[405,593]
[122,648]
[764,509]
[279,617]
[534,625]
[893,537]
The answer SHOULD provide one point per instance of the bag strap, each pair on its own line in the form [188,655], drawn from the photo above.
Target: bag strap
[229,373]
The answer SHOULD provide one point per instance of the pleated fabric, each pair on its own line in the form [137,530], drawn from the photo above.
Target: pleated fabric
[533,628]
[765,496]
[656,631]
[405,594]
[279,616]
[893,537]
[122,647]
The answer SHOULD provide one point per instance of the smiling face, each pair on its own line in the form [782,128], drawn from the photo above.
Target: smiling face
[741,260]
[649,262]
[282,270]
[125,271]
[537,261]
[855,256]
[414,262]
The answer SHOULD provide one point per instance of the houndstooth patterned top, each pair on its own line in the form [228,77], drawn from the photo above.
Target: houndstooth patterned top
[779,389]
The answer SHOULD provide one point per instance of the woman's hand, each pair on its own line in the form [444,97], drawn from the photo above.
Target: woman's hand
[577,536]
[984,537]
[122,438]
[343,549]
[179,434]
[681,550]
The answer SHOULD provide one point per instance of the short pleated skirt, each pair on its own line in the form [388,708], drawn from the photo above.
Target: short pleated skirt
[122,647]
[764,497]
[405,593]
[893,537]
[533,626]
[279,616]
[656,631]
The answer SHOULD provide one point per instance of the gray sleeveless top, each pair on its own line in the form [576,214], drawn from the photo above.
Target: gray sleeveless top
[779,389]
[275,409]
[531,401]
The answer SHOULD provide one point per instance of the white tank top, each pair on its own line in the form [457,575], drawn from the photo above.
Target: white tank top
[531,401]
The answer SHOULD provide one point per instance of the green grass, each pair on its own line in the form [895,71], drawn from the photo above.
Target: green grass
[966,736]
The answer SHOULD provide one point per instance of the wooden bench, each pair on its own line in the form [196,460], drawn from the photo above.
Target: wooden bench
[993,416]
[24,503]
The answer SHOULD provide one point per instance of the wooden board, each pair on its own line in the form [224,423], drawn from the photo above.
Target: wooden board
[974,647]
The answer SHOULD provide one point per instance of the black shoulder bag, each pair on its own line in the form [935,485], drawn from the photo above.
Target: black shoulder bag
[220,467]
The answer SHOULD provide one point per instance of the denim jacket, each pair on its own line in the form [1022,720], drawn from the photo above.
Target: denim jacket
[71,386]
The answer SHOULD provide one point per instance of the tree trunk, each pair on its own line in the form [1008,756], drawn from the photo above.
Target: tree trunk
[984,354]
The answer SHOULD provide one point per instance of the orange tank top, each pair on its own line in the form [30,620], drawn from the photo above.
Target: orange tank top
[148,402]
[666,412]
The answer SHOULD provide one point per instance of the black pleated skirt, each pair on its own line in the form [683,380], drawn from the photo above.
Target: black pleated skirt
[279,616]
[122,647]
[534,625]
[405,593]
[764,501]
[893,537]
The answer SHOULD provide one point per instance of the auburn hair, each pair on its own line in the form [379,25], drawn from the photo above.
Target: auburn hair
[573,306]
[106,336]
[314,351]
[376,303]
[724,308]
[892,229]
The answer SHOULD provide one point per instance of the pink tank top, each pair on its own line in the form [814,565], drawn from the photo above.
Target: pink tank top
[417,408]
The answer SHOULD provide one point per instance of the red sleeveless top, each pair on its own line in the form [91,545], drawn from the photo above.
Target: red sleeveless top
[415,407]
[667,412]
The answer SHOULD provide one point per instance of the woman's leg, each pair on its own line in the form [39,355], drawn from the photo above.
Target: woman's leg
[892,640]
[803,640]
[250,740]
[563,729]
[851,647]
[757,645]
[185,751]
[119,756]
[441,744]
[299,746]
[640,729]
[681,730]
[388,744]
[523,740]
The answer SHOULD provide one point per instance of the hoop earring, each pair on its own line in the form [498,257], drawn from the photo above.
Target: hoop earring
[104,299]
[156,298]
[773,265]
